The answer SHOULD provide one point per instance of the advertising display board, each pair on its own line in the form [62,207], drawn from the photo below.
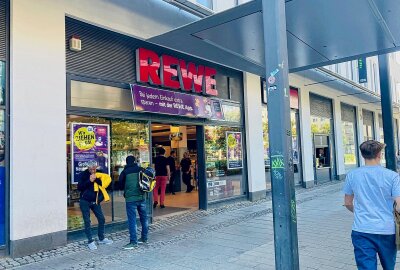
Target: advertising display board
[90,143]
[234,150]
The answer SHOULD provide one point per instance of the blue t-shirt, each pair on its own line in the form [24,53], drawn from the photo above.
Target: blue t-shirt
[374,189]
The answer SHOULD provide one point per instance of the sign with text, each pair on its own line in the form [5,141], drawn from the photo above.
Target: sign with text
[362,70]
[153,100]
[170,72]
[90,144]
[234,150]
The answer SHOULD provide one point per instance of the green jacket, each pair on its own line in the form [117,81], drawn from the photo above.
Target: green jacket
[129,181]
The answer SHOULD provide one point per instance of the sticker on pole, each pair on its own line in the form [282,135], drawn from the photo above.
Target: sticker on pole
[271,80]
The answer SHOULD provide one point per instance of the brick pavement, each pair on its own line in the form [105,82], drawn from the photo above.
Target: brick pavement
[238,236]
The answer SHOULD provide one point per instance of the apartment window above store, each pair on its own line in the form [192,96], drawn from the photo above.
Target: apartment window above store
[206,3]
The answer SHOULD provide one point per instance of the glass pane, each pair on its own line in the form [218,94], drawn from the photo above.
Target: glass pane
[266,147]
[2,178]
[349,145]
[206,3]
[223,151]
[127,138]
[75,220]
[231,112]
[320,125]
[2,82]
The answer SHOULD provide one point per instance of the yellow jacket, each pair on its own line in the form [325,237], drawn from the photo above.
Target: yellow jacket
[105,182]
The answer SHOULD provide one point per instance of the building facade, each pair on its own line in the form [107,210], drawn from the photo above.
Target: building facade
[82,69]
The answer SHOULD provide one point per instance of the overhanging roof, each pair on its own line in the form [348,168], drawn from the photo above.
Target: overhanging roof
[319,33]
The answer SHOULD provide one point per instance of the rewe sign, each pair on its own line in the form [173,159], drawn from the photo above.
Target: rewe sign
[174,73]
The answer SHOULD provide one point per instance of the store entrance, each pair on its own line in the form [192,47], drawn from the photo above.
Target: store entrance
[180,145]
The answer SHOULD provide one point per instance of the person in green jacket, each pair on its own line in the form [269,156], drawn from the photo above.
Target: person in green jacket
[135,199]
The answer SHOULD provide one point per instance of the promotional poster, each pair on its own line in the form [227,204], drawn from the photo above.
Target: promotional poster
[234,150]
[90,143]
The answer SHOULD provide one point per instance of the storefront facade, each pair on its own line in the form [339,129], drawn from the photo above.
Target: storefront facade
[110,84]
[55,91]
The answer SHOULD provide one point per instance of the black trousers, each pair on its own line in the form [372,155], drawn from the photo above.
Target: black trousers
[96,208]
[186,177]
[172,182]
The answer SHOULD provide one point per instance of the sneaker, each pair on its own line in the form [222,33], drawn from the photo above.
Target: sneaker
[92,245]
[106,241]
[155,204]
[130,246]
[142,241]
[162,206]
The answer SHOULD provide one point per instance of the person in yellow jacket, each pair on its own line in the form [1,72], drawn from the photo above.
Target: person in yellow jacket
[92,186]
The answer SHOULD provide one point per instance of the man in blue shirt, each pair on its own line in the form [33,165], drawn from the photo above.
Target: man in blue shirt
[369,193]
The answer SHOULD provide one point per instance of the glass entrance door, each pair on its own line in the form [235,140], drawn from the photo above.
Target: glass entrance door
[322,149]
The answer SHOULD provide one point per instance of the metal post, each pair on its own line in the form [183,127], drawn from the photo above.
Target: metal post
[387,112]
[201,167]
[280,135]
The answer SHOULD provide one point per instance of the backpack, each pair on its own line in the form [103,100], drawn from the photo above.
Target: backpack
[147,179]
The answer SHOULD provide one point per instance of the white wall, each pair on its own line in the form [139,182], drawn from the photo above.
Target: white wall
[38,163]
[254,133]
[38,97]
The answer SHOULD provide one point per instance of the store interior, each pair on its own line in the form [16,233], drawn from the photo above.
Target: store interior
[129,137]
[179,139]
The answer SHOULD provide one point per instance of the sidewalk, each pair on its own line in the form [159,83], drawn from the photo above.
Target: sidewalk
[238,236]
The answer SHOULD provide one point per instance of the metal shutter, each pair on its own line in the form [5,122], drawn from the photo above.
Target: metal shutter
[321,106]
[3,36]
[348,113]
[368,118]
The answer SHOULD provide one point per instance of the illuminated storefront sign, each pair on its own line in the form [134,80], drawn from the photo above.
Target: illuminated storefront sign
[171,72]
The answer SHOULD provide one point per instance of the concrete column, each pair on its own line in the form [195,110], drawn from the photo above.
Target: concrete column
[38,185]
[254,138]
[337,118]
[306,138]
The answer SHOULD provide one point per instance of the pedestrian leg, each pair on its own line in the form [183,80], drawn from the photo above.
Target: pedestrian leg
[144,221]
[163,184]
[85,209]
[364,251]
[155,191]
[387,251]
[131,213]
[98,212]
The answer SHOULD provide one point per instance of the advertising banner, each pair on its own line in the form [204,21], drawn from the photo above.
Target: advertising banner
[154,100]
[89,143]
[234,150]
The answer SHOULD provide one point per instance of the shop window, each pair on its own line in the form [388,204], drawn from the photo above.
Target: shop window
[2,177]
[224,162]
[349,144]
[295,146]
[320,125]
[126,137]
[2,82]
[232,112]
[90,95]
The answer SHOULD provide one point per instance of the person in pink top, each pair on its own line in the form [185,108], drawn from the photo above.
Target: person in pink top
[161,165]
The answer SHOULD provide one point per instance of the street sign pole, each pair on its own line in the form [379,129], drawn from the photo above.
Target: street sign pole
[387,112]
[280,135]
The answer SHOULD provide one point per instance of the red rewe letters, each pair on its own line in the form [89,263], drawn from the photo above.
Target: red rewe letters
[169,73]
[210,83]
[174,73]
[147,66]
